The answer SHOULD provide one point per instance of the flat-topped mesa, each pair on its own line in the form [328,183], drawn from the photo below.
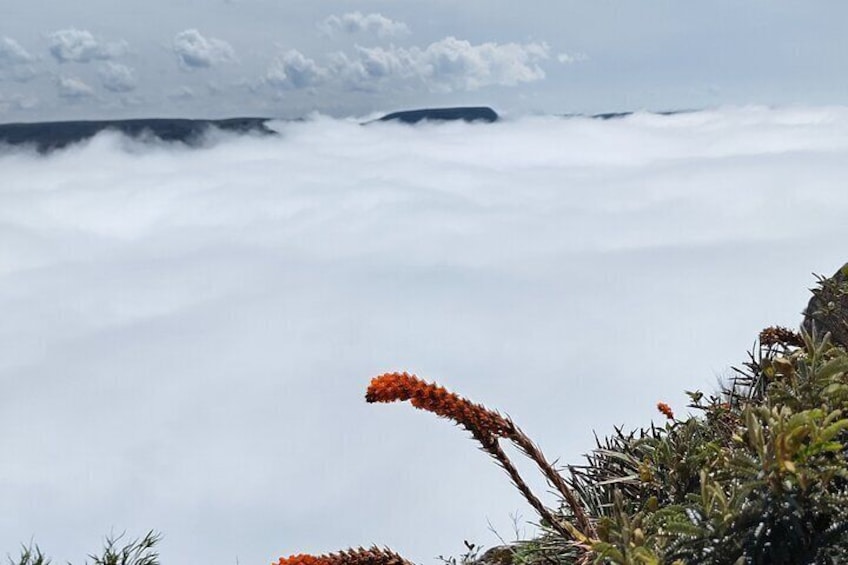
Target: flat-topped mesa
[465,114]
[46,136]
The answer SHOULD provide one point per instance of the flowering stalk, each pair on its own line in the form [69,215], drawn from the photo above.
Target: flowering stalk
[666,410]
[584,525]
[360,556]
[776,335]
[476,418]
[486,426]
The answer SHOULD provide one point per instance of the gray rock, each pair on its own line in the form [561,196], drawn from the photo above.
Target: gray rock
[499,555]
[827,310]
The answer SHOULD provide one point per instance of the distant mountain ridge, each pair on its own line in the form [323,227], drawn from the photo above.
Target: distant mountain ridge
[48,136]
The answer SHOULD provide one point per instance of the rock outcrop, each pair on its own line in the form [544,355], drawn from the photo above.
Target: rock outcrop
[827,310]
[498,555]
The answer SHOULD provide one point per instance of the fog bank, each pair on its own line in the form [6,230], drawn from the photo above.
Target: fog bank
[187,334]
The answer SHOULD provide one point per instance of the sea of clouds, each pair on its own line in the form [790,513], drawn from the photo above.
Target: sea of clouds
[186,335]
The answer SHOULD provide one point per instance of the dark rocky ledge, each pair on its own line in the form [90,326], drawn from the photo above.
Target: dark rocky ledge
[46,136]
[465,114]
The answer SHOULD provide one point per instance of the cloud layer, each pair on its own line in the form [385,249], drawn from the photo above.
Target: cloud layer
[446,65]
[361,71]
[187,334]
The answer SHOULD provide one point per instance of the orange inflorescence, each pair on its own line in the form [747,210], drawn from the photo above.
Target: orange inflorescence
[775,335]
[477,419]
[301,559]
[361,556]
[666,410]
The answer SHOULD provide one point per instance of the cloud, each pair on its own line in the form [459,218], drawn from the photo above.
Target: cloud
[448,65]
[568,58]
[9,102]
[293,70]
[80,46]
[443,66]
[72,88]
[15,61]
[237,298]
[183,93]
[357,22]
[117,78]
[194,51]
[11,53]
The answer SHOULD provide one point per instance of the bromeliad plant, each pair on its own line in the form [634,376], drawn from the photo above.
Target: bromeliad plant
[758,474]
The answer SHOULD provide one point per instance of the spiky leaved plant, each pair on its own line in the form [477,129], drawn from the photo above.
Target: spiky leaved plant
[141,551]
[30,555]
[759,476]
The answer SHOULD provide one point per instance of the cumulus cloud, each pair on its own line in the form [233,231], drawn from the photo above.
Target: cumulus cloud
[450,65]
[80,46]
[117,78]
[194,51]
[236,300]
[443,66]
[293,70]
[73,88]
[357,22]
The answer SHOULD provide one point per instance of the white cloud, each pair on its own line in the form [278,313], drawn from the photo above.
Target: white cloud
[236,300]
[357,22]
[11,53]
[568,58]
[194,51]
[80,46]
[15,61]
[73,88]
[117,78]
[450,64]
[293,70]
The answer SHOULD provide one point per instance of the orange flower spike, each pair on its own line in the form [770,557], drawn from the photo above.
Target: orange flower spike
[666,410]
[360,556]
[480,421]
[301,559]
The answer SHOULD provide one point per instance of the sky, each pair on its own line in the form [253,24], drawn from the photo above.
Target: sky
[93,59]
[187,334]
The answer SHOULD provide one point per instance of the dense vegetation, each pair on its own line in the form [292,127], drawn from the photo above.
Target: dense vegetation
[756,474]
